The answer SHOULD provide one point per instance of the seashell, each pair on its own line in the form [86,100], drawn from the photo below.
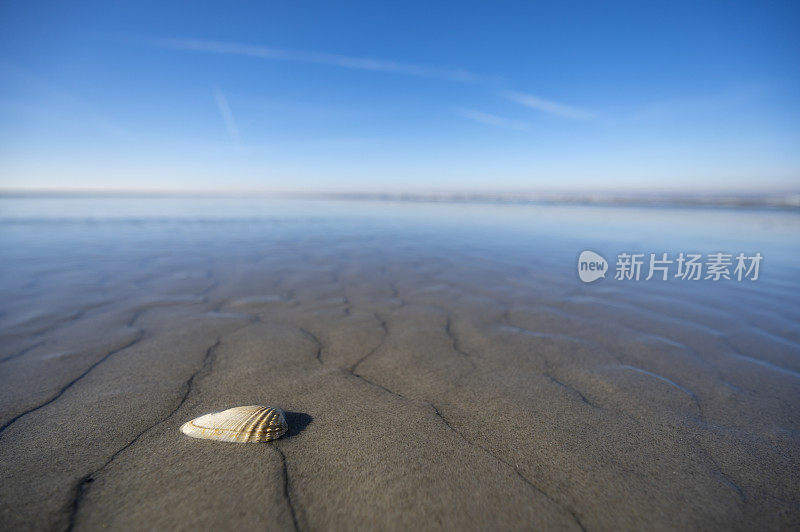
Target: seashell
[244,424]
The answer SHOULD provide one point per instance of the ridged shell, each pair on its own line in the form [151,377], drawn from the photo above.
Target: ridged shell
[244,424]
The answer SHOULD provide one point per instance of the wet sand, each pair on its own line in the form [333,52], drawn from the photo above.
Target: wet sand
[429,382]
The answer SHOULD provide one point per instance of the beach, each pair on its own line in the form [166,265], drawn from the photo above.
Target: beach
[441,367]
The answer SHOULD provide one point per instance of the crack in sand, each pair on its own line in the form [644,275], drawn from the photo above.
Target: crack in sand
[67,320]
[318,354]
[385,328]
[716,470]
[22,352]
[395,293]
[66,387]
[455,345]
[669,382]
[287,488]
[376,385]
[135,316]
[507,319]
[456,348]
[471,444]
[50,328]
[205,368]
[210,288]
[82,485]
[525,479]
[572,390]
[139,336]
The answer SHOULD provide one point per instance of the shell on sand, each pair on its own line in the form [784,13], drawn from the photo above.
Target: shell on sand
[244,424]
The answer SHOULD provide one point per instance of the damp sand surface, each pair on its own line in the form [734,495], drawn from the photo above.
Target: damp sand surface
[442,367]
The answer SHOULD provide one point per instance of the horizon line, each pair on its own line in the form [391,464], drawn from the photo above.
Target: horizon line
[785,199]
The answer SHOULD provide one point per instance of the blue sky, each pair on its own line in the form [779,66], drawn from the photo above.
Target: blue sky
[400,96]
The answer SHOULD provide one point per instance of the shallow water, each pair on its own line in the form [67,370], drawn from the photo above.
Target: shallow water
[618,404]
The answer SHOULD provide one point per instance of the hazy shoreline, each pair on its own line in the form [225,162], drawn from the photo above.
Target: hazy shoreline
[789,200]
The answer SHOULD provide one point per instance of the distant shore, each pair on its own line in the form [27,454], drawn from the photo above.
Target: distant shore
[788,200]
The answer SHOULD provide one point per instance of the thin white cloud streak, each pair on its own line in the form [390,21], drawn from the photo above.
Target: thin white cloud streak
[343,61]
[372,65]
[226,114]
[548,106]
[492,120]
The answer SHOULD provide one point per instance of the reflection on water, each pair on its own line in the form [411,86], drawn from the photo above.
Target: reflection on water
[48,232]
[83,246]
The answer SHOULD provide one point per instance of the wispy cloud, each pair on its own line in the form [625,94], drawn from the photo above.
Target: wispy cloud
[491,120]
[226,114]
[343,61]
[548,106]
